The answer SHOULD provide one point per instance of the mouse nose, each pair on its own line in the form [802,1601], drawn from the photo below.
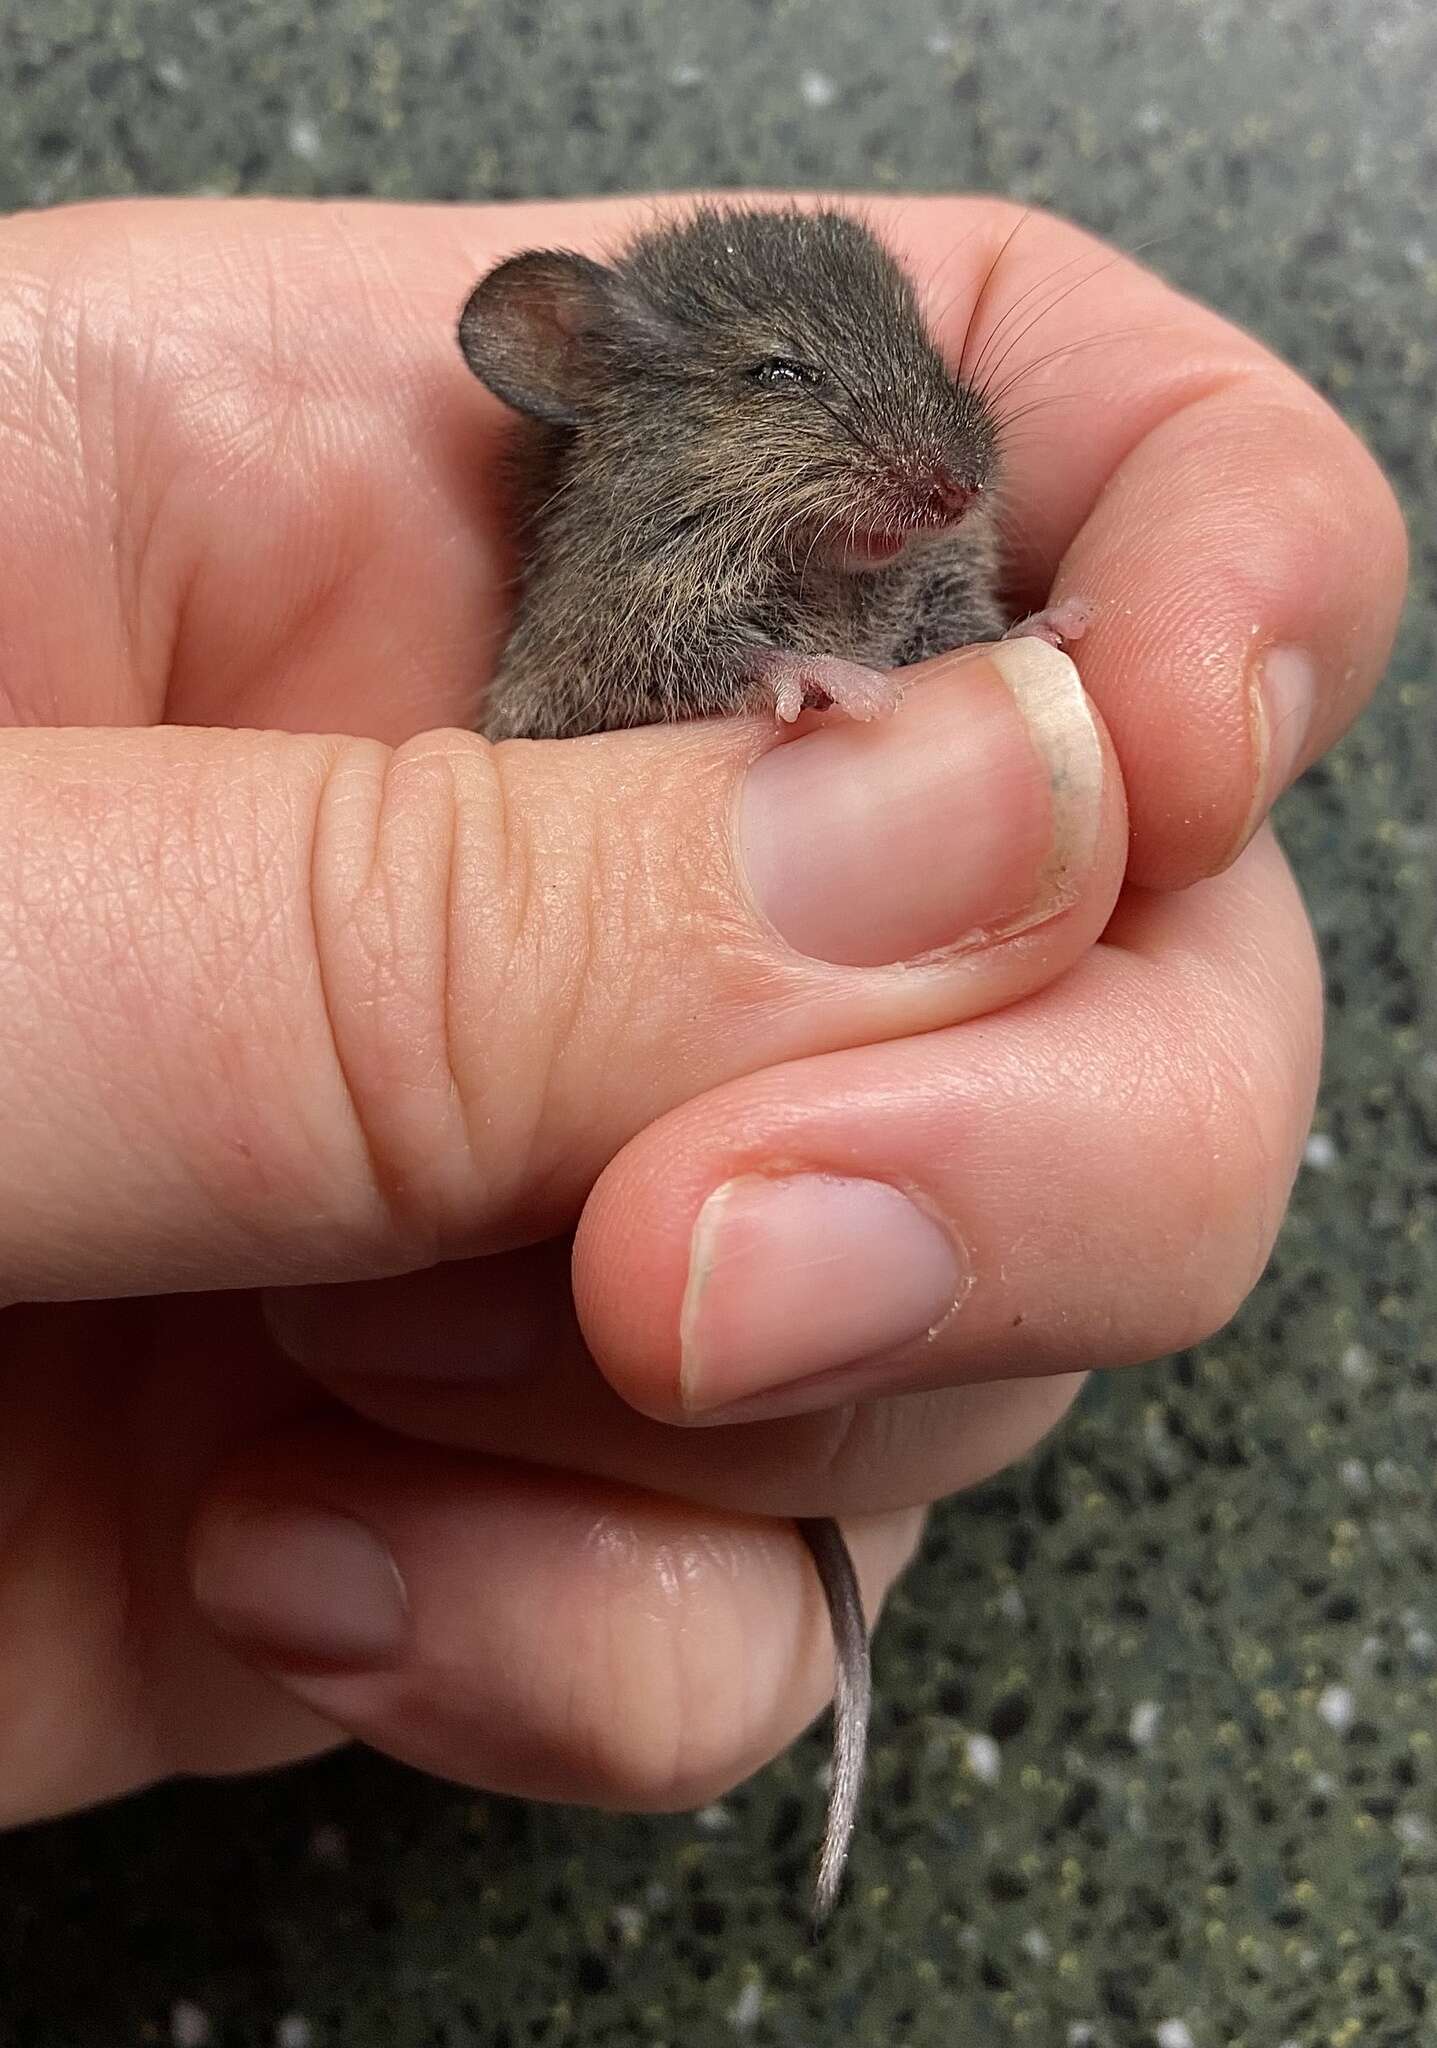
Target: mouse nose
[949,496]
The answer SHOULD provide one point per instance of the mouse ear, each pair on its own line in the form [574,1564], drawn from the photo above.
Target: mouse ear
[538,327]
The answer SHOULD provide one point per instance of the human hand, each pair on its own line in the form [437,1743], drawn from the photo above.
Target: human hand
[285,1009]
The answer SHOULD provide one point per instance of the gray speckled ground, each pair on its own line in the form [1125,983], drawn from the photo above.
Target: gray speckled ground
[1157,1756]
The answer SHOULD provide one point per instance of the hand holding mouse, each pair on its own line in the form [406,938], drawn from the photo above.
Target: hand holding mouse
[288,1009]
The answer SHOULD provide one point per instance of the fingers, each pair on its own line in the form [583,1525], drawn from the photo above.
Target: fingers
[487,1355]
[1247,568]
[1093,1178]
[308,1008]
[1105,1166]
[520,1631]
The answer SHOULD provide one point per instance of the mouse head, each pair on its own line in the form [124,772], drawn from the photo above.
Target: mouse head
[768,366]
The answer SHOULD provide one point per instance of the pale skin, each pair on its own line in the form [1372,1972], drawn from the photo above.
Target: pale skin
[294,1009]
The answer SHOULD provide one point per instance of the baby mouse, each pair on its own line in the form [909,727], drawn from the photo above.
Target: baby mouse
[747,481]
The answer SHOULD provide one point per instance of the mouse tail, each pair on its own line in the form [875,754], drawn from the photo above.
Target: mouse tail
[853,1695]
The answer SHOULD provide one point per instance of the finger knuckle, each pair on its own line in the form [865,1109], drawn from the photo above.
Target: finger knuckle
[454,968]
[679,1674]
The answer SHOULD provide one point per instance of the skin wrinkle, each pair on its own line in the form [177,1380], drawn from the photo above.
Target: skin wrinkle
[440,1012]
[583,951]
[522,982]
[686,1732]
[626,901]
[325,804]
[1255,1178]
[255,950]
[392,1155]
[46,425]
[236,427]
[407,924]
[53,393]
[97,906]
[450,1024]
[637,1750]
[136,331]
[150,606]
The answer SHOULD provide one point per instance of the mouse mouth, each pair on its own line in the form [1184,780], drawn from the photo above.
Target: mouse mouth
[874,547]
[936,507]
[871,549]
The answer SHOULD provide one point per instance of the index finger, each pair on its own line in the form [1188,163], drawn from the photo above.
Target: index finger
[1245,556]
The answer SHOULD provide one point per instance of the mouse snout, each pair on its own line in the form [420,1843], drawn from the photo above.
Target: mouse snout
[949,496]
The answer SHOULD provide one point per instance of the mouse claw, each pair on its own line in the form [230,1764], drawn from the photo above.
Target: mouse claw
[1057,623]
[814,682]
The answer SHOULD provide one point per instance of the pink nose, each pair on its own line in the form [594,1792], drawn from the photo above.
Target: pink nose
[950,498]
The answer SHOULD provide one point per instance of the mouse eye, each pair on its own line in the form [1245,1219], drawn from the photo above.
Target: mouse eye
[780,372]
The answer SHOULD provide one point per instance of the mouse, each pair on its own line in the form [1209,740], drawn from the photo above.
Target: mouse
[745,481]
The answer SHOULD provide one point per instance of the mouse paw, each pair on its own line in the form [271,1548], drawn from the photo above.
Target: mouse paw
[1057,624]
[814,682]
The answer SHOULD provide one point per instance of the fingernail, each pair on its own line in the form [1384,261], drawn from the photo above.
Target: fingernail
[1286,697]
[793,1281]
[1282,695]
[303,1586]
[967,816]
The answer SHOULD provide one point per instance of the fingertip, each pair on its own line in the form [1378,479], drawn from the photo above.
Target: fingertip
[536,1633]
[1248,564]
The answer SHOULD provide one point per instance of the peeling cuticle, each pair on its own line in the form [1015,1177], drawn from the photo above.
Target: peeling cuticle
[1282,697]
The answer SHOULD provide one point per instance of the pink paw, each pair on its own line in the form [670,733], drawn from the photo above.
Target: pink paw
[812,682]
[1058,624]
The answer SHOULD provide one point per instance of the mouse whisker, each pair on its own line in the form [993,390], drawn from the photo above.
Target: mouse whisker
[824,527]
[874,398]
[982,292]
[814,540]
[1130,255]
[1015,309]
[839,421]
[997,393]
[935,320]
[1041,404]
[1043,311]
[1025,298]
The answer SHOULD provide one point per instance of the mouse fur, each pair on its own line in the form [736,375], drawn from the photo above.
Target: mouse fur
[725,433]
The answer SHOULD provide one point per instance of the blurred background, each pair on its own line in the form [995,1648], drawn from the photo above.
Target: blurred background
[1157,1734]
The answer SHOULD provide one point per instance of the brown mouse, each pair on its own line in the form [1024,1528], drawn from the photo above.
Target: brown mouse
[747,480]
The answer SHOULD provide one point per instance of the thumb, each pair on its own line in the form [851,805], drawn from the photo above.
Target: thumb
[284,1008]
